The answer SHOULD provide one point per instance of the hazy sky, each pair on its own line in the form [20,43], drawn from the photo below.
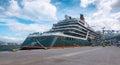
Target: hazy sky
[18,18]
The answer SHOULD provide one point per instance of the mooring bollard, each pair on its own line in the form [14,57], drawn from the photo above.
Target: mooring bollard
[14,50]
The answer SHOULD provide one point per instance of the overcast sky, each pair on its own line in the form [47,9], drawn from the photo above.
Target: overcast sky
[18,18]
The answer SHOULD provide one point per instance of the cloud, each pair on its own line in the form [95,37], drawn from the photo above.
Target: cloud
[103,17]
[116,4]
[16,26]
[1,8]
[58,3]
[36,10]
[85,3]
[21,30]
[11,39]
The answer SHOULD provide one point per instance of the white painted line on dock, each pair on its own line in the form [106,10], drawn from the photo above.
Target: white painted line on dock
[73,54]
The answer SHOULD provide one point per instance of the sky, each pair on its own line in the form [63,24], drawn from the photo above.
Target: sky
[19,18]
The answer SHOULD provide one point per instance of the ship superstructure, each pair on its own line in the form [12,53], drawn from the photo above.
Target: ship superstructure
[69,32]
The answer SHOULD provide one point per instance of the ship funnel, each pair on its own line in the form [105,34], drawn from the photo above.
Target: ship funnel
[82,17]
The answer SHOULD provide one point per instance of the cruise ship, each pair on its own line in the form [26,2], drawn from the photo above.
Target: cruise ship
[70,32]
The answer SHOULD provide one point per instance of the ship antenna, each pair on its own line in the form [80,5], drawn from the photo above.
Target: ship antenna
[67,17]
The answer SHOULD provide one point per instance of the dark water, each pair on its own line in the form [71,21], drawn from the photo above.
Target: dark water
[9,47]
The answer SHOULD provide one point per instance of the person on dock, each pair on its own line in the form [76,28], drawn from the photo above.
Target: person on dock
[103,44]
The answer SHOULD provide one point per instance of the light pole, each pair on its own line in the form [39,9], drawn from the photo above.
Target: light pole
[103,30]
[103,38]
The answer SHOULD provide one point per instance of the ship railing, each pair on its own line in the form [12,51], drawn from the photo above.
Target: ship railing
[61,34]
[69,20]
[69,28]
[52,33]
[71,25]
[86,26]
[78,33]
[33,35]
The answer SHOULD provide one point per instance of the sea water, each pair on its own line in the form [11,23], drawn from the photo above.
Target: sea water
[9,47]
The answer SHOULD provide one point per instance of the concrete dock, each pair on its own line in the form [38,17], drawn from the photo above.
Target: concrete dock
[69,56]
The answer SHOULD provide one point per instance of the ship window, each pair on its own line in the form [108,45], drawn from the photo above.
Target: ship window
[67,38]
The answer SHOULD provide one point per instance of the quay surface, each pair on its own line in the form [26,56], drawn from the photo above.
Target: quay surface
[109,55]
